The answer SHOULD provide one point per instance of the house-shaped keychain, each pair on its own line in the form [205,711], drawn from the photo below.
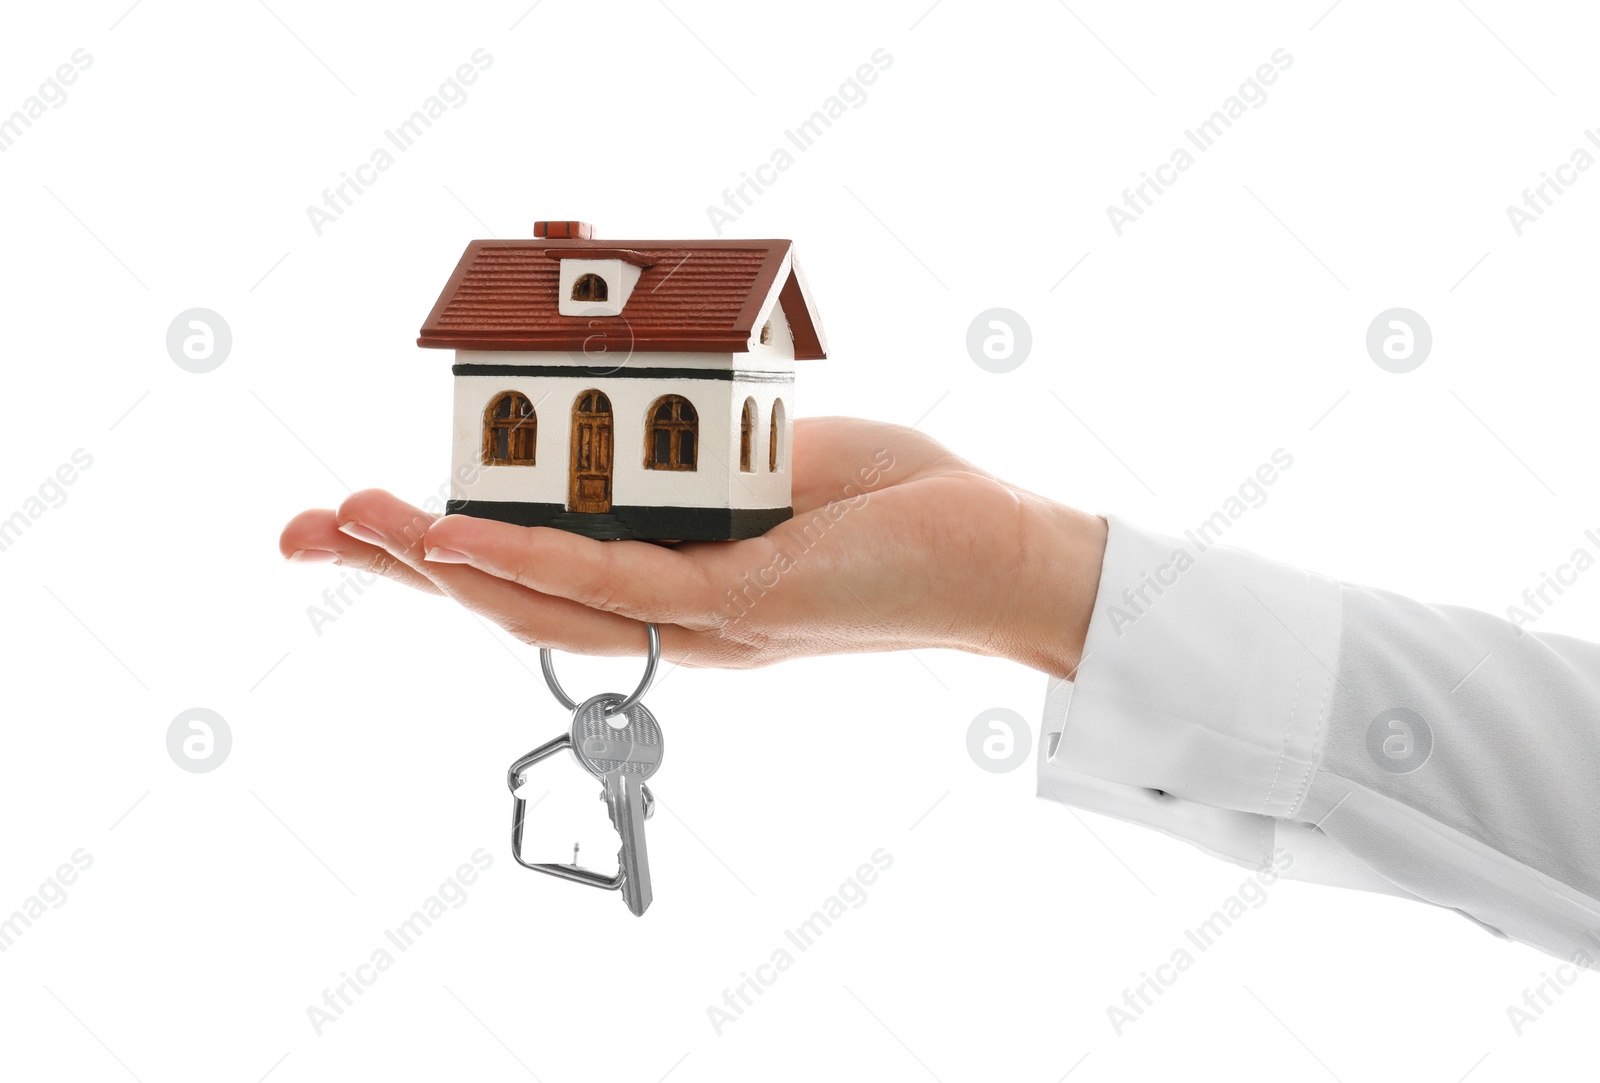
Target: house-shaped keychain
[625,389]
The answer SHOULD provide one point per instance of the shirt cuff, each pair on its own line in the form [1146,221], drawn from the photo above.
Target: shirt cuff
[1202,694]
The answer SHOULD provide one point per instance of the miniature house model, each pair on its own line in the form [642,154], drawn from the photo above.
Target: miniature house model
[625,389]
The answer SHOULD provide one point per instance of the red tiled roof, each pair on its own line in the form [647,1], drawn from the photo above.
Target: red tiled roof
[691,295]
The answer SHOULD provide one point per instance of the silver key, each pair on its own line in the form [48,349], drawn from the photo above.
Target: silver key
[622,758]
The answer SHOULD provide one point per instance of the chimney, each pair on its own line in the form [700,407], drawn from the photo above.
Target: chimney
[563,231]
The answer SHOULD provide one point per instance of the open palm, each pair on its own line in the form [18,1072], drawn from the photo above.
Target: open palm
[895,543]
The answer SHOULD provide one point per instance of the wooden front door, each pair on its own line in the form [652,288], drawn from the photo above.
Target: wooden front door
[589,484]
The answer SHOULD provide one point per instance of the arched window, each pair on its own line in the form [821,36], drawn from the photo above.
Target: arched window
[510,430]
[589,288]
[777,435]
[672,430]
[747,436]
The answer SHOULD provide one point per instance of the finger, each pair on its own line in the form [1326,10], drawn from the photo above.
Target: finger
[312,537]
[380,519]
[638,580]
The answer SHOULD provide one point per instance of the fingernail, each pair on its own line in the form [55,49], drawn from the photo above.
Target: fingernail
[361,533]
[442,555]
[313,556]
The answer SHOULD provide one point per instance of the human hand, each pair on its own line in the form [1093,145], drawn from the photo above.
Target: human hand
[895,543]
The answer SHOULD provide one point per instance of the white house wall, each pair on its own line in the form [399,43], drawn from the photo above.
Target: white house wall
[716,483]
[776,355]
[760,488]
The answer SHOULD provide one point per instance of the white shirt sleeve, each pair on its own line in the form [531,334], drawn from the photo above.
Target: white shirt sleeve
[1366,740]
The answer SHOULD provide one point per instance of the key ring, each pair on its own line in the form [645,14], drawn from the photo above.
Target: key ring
[547,663]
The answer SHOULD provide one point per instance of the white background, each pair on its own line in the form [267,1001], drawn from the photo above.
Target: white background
[368,760]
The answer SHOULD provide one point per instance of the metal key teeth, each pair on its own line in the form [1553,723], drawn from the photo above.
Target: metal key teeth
[649,804]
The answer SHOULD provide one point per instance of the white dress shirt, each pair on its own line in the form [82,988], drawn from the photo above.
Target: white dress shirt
[1253,709]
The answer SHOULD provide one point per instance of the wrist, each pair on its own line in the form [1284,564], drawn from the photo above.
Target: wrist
[1057,577]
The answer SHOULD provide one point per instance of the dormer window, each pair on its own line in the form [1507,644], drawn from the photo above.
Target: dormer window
[594,284]
[590,288]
